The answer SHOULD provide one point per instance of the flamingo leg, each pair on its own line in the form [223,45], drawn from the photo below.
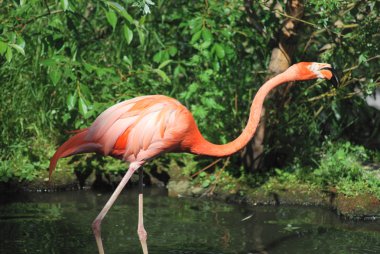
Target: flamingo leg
[98,220]
[140,228]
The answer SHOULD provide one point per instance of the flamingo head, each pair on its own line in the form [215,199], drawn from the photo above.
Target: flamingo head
[313,70]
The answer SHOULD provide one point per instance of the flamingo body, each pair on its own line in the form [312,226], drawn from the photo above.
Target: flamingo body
[136,130]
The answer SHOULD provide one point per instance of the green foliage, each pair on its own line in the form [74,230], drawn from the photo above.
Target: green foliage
[342,166]
[340,161]
[63,62]
[339,165]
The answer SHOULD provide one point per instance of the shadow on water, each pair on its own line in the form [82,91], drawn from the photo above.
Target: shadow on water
[60,223]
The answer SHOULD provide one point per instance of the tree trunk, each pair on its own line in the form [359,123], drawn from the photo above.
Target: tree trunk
[280,61]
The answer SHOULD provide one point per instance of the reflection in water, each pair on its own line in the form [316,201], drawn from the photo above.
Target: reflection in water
[60,223]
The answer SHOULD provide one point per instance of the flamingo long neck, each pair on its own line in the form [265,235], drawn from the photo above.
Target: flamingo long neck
[204,147]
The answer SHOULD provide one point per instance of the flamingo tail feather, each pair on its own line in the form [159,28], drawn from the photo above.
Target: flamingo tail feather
[75,145]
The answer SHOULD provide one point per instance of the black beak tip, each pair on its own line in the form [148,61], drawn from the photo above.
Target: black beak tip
[334,78]
[335,81]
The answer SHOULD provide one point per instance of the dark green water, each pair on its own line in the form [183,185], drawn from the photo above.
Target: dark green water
[60,223]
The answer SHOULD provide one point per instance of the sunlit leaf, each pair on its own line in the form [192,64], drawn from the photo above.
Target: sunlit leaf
[196,37]
[85,90]
[71,100]
[164,63]
[9,54]
[121,10]
[82,106]
[219,50]
[362,58]
[48,62]
[18,48]
[55,75]
[172,50]
[128,34]
[162,75]
[3,47]
[207,35]
[112,19]
[65,4]
[206,183]
[179,70]
[157,57]
[141,36]
[205,44]
[21,42]
[89,67]
[146,9]
[127,60]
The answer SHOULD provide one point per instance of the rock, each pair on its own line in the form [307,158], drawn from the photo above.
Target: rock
[179,188]
[197,190]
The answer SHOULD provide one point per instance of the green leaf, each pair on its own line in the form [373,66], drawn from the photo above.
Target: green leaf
[89,67]
[158,39]
[165,56]
[219,50]
[65,4]
[172,50]
[9,55]
[206,183]
[207,35]
[20,42]
[146,9]
[362,58]
[157,57]
[85,90]
[18,48]
[196,24]
[127,60]
[55,75]
[48,62]
[121,10]
[179,70]
[3,47]
[128,34]
[205,44]
[111,18]
[141,36]
[196,37]
[164,63]
[71,101]
[216,66]
[162,75]
[193,88]
[83,109]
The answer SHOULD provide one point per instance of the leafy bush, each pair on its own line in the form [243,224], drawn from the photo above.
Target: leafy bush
[64,62]
[340,161]
[342,165]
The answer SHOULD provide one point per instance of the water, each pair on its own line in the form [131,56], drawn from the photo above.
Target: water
[60,223]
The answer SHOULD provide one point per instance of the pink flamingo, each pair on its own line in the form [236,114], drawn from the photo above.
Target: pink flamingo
[140,129]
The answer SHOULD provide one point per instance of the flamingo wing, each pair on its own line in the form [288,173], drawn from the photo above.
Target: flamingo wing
[141,128]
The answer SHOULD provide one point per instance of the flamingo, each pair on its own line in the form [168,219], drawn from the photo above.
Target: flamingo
[142,128]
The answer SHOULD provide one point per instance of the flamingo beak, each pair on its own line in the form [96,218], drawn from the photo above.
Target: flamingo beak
[334,78]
